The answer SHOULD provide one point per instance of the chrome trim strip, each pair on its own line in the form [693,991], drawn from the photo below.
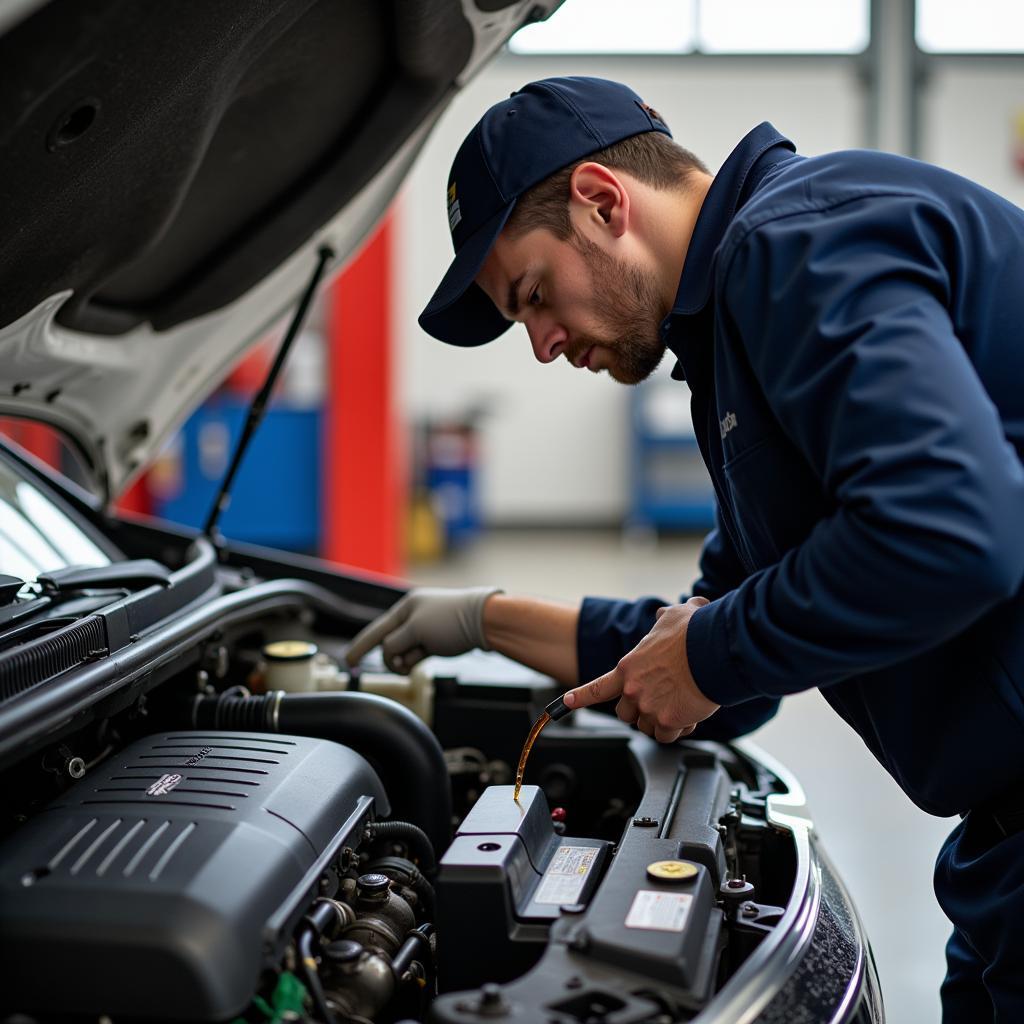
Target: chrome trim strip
[860,970]
[766,970]
[853,989]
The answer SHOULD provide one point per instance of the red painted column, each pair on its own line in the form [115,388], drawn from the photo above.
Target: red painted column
[38,438]
[363,500]
[136,499]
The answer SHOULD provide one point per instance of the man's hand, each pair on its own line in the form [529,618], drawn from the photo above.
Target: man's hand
[656,690]
[428,620]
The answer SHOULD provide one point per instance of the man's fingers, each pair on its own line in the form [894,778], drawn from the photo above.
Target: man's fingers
[627,710]
[695,602]
[397,647]
[371,635]
[402,663]
[670,735]
[601,689]
[366,640]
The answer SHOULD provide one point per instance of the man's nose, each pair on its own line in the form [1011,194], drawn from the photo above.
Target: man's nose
[548,339]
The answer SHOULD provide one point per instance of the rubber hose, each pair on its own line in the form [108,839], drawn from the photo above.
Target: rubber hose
[304,944]
[417,944]
[404,872]
[402,750]
[414,836]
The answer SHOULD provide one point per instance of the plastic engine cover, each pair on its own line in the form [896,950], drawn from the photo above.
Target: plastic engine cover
[160,884]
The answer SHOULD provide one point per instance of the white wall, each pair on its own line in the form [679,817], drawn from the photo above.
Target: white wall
[554,446]
[968,114]
[556,443]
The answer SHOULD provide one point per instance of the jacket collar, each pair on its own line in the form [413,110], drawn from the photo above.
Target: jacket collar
[757,153]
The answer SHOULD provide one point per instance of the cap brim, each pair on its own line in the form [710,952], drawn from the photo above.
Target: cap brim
[460,313]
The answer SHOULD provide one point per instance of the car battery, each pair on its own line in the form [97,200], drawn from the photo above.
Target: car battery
[507,875]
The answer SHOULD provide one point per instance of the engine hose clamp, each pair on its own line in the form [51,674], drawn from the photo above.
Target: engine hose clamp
[275,711]
[344,913]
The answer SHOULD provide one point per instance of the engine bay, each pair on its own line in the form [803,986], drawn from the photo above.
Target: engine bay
[244,830]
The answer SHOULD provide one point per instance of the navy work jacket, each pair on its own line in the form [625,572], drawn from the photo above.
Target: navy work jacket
[851,327]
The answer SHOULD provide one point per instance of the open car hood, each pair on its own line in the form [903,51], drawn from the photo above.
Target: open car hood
[169,171]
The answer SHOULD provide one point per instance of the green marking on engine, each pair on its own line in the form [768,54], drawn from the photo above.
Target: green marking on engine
[290,995]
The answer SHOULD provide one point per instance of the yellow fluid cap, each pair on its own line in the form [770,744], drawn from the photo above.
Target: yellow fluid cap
[672,870]
[289,650]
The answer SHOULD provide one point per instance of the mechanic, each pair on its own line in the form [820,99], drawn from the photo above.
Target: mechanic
[850,327]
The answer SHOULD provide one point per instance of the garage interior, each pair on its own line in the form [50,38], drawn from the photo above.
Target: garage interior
[448,467]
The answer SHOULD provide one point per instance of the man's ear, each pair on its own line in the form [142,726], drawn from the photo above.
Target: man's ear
[599,195]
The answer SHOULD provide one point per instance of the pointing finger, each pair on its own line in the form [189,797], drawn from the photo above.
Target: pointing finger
[371,635]
[601,689]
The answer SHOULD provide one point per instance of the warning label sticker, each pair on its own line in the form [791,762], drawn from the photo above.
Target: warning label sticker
[659,911]
[566,875]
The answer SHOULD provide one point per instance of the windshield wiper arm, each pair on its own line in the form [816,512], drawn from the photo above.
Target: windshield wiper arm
[135,574]
[9,587]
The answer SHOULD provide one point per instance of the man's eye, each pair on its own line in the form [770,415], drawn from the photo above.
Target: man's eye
[535,297]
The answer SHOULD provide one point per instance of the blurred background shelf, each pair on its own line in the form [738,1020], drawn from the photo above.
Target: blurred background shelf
[670,488]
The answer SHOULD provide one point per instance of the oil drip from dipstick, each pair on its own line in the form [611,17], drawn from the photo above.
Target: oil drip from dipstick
[527,747]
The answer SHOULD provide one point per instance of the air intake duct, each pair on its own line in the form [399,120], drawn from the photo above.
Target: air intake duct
[403,751]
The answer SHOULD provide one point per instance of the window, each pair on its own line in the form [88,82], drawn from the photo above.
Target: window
[982,26]
[607,26]
[706,26]
[36,535]
[784,26]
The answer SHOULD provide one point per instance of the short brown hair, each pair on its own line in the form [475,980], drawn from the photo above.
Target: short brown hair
[651,157]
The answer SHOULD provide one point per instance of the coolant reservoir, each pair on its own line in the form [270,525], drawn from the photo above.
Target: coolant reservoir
[415,691]
[290,666]
[297,666]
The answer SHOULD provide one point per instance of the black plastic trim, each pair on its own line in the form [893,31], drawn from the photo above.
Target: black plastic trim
[33,716]
[33,663]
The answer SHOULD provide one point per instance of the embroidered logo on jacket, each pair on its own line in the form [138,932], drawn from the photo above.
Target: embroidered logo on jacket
[727,423]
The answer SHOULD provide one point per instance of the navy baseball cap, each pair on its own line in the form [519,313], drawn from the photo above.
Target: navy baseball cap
[519,142]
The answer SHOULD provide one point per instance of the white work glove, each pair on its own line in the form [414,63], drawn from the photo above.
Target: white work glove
[428,620]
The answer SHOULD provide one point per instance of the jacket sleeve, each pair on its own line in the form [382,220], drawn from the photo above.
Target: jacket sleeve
[843,316]
[609,629]
[720,567]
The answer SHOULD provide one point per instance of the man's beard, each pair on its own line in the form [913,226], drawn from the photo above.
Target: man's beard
[627,306]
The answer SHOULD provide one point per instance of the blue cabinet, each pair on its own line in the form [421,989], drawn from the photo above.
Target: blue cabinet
[275,499]
[670,484]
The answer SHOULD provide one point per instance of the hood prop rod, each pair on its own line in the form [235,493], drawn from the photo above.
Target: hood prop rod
[258,408]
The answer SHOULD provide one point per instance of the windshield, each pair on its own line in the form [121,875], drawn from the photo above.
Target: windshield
[36,535]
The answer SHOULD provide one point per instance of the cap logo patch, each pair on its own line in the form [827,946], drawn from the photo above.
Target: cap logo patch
[454,213]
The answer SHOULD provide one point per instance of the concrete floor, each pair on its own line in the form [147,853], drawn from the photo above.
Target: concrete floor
[883,846]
